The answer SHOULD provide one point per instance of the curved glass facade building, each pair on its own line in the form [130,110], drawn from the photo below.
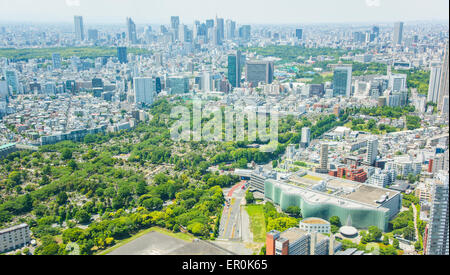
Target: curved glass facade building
[323,205]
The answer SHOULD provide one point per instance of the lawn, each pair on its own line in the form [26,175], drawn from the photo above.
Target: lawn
[312,178]
[179,235]
[257,222]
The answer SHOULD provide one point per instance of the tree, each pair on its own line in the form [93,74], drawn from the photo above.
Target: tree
[152,204]
[336,221]
[61,198]
[294,211]
[375,233]
[66,154]
[249,197]
[82,216]
[386,240]
[396,243]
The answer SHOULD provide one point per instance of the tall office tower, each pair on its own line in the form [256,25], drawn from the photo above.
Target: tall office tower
[230,29]
[174,25]
[397,82]
[215,36]
[3,89]
[372,151]
[398,33]
[342,81]
[245,32]
[12,81]
[56,58]
[182,32]
[444,89]
[299,34]
[219,23]
[376,31]
[131,31]
[209,23]
[79,28]
[235,69]
[93,35]
[436,241]
[435,82]
[306,137]
[324,157]
[122,54]
[259,71]
[195,29]
[144,90]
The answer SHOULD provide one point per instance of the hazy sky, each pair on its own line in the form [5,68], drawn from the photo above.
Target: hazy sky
[243,11]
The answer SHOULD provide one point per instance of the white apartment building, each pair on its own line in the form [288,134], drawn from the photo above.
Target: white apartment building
[14,237]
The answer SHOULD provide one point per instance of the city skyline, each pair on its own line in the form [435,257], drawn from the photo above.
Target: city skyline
[251,12]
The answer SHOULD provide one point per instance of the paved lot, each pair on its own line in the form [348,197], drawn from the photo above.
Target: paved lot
[153,243]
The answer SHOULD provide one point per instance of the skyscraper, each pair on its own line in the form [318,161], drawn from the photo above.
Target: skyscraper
[219,23]
[324,158]
[372,150]
[230,29]
[299,34]
[122,54]
[234,69]
[174,25]
[245,32]
[342,81]
[397,82]
[131,31]
[12,81]
[93,35]
[56,58]
[436,241]
[306,137]
[259,71]
[144,90]
[443,87]
[398,33]
[79,28]
[435,82]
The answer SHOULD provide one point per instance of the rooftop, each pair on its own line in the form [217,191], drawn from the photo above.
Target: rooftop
[315,221]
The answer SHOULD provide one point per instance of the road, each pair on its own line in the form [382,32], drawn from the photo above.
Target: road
[415,221]
[230,224]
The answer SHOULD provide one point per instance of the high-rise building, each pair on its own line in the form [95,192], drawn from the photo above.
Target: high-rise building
[436,241]
[342,81]
[122,54]
[376,31]
[56,58]
[299,34]
[444,87]
[234,69]
[14,237]
[306,136]
[398,33]
[435,82]
[131,31]
[174,25]
[219,23]
[93,35]
[177,85]
[324,157]
[397,82]
[12,81]
[144,90]
[259,71]
[245,32]
[79,28]
[230,29]
[372,150]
